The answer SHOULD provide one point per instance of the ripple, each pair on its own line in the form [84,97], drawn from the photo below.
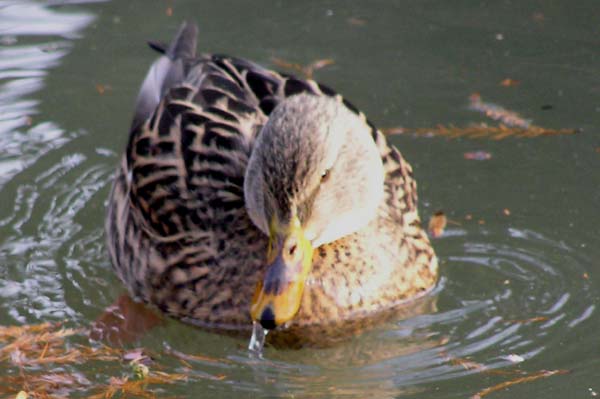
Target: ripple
[42,199]
[506,294]
[505,298]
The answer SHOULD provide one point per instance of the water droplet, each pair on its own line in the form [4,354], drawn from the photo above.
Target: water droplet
[257,341]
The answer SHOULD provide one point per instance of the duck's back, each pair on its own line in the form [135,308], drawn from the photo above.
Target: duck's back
[176,223]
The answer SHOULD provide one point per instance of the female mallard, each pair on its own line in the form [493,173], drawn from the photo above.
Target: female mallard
[245,194]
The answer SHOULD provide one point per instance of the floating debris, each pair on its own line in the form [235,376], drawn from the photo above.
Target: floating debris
[437,224]
[519,380]
[40,354]
[356,21]
[305,70]
[101,89]
[536,319]
[508,82]
[497,113]
[477,155]
[480,131]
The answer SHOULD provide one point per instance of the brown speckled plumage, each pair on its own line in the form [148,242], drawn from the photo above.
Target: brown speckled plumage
[179,236]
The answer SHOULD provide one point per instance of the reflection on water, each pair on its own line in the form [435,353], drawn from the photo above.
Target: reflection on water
[511,298]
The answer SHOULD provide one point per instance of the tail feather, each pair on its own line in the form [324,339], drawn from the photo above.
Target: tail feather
[167,71]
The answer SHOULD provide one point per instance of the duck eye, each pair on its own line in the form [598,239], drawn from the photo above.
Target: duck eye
[325,175]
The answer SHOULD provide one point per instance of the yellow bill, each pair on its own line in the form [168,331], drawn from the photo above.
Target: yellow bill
[277,297]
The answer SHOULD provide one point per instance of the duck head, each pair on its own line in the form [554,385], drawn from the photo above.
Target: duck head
[315,175]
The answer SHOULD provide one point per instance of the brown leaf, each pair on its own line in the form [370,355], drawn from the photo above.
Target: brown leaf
[437,224]
[304,70]
[15,331]
[508,82]
[319,64]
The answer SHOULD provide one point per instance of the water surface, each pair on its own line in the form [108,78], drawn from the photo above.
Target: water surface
[519,260]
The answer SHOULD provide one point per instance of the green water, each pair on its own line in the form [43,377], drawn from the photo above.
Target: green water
[69,74]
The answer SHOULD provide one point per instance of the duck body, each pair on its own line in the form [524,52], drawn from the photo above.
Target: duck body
[185,235]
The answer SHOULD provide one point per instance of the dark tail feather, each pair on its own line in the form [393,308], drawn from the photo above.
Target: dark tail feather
[167,71]
[160,47]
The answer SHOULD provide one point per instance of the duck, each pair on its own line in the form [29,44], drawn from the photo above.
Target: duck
[246,195]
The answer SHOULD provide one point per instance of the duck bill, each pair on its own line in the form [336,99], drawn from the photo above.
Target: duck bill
[277,297]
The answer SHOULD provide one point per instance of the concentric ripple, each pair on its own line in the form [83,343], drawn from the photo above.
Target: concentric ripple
[511,300]
[504,299]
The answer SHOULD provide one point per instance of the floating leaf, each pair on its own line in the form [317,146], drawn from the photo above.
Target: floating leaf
[305,70]
[471,365]
[101,89]
[508,82]
[437,224]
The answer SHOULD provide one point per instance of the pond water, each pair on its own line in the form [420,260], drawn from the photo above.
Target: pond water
[520,265]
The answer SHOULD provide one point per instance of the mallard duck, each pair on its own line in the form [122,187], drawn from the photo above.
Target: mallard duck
[250,195]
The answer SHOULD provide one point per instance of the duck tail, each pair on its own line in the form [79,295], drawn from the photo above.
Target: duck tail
[167,71]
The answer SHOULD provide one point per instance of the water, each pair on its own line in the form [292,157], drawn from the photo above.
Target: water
[519,260]
[257,340]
